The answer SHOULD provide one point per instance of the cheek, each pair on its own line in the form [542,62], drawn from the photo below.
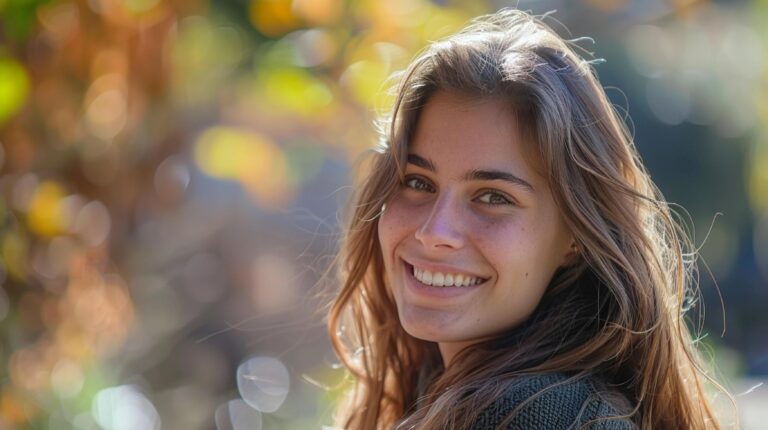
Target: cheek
[500,239]
[517,249]
[391,227]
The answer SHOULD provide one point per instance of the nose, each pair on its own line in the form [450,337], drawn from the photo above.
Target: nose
[441,229]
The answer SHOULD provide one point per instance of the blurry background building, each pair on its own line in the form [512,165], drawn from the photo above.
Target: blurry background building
[172,173]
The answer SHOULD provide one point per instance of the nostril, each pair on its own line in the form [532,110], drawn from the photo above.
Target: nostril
[432,236]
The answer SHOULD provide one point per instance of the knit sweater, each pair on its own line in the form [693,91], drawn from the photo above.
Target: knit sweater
[567,406]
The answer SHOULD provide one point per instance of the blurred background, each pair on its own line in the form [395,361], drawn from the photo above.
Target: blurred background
[172,173]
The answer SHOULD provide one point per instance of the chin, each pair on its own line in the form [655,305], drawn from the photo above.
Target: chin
[422,330]
[430,332]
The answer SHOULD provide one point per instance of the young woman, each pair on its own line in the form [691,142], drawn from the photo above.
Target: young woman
[508,262]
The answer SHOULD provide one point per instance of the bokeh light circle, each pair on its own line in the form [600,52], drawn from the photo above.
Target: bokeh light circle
[124,408]
[263,383]
[237,415]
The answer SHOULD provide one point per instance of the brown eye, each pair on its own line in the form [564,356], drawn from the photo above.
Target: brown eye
[418,184]
[493,198]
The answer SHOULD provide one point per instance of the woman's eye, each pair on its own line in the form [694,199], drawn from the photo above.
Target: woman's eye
[418,184]
[493,198]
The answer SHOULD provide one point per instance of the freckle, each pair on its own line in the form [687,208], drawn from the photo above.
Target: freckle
[526,274]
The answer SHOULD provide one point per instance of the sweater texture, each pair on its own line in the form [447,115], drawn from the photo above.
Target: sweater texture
[568,405]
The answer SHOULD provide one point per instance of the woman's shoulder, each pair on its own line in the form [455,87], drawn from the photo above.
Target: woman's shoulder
[555,401]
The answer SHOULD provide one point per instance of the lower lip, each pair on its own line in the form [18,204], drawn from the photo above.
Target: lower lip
[439,292]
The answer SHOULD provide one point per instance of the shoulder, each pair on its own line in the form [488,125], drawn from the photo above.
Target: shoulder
[553,401]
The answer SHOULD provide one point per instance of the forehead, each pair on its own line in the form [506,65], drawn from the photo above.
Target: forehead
[474,132]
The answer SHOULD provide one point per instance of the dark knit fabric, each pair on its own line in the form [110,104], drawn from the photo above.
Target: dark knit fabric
[570,405]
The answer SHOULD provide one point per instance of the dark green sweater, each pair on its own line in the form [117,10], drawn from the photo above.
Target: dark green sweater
[567,406]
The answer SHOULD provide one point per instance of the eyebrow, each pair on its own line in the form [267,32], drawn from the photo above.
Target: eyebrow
[476,174]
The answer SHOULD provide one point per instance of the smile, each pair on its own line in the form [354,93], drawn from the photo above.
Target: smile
[440,279]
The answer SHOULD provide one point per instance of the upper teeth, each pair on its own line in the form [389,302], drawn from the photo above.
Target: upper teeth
[439,279]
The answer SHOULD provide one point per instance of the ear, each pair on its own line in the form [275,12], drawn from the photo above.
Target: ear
[572,255]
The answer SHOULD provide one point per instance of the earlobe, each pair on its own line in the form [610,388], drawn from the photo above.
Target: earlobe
[572,255]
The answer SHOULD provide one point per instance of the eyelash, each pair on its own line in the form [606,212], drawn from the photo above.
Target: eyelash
[419,184]
[423,185]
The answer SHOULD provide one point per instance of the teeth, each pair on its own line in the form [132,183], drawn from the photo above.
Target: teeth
[438,279]
[426,277]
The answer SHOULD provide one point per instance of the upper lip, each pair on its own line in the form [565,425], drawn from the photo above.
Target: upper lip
[436,267]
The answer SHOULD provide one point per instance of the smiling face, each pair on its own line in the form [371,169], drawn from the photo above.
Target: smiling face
[472,238]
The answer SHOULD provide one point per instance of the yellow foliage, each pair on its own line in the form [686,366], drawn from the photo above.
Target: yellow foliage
[250,158]
[294,90]
[318,12]
[15,408]
[443,23]
[46,217]
[366,82]
[14,87]
[273,17]
[14,252]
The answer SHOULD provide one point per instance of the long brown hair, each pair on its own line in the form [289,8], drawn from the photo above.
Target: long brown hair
[617,314]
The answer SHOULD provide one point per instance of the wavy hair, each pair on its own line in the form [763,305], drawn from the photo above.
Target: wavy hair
[616,314]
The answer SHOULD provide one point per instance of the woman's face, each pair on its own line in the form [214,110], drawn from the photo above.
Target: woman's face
[472,237]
